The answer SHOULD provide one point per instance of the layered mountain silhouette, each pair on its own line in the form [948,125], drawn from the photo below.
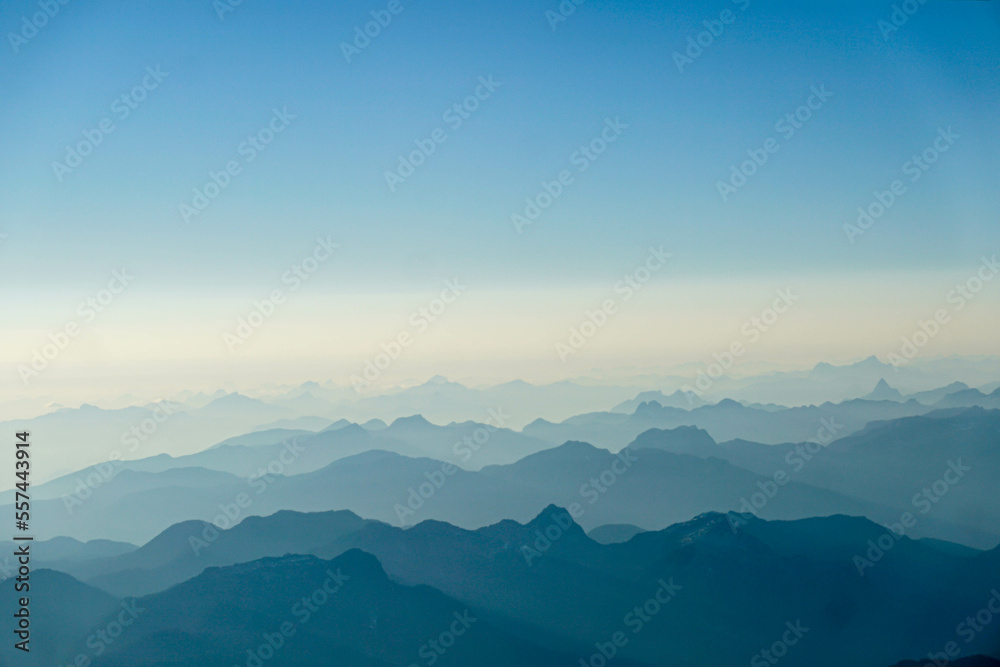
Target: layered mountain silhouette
[192,422]
[675,475]
[554,596]
[294,610]
[726,420]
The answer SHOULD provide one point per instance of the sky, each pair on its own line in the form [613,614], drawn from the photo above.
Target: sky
[200,79]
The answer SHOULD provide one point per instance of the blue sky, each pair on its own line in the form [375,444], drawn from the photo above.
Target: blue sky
[324,174]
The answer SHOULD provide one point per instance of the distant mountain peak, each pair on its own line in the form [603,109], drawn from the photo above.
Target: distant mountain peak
[338,425]
[354,563]
[235,399]
[374,425]
[870,361]
[411,421]
[680,440]
[648,408]
[883,392]
[572,447]
[560,516]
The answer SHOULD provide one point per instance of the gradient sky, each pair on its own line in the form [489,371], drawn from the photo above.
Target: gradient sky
[324,175]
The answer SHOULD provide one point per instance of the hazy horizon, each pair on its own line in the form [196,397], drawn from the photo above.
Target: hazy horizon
[556,333]
[354,256]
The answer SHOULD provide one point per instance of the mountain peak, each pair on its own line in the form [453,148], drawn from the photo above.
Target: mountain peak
[235,399]
[883,392]
[413,421]
[559,516]
[680,440]
[338,425]
[651,408]
[573,447]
